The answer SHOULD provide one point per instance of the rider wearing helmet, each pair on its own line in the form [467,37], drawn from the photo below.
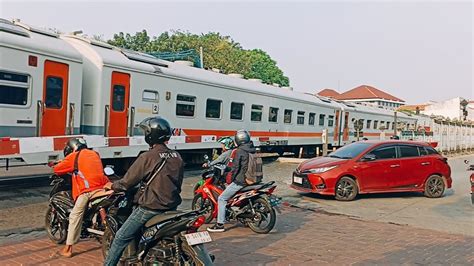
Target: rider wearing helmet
[87,179]
[161,169]
[239,168]
[227,145]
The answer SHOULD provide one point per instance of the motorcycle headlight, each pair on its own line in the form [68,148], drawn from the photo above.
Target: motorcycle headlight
[321,169]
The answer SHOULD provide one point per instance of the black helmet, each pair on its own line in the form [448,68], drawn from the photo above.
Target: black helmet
[241,137]
[74,144]
[157,130]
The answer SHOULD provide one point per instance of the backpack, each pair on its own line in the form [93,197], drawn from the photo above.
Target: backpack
[254,172]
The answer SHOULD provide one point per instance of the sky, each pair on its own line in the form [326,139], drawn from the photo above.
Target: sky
[415,50]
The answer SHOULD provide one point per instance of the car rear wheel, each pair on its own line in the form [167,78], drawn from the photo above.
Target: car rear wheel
[346,189]
[434,186]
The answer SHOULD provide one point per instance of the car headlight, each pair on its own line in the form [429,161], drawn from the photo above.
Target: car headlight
[321,169]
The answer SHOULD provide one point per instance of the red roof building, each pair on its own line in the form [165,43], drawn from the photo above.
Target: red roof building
[365,94]
[330,93]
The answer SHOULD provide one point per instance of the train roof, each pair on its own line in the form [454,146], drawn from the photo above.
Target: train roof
[16,34]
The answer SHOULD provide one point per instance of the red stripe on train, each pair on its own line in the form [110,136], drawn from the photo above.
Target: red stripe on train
[9,147]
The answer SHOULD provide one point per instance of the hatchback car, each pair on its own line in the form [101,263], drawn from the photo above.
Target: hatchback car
[375,167]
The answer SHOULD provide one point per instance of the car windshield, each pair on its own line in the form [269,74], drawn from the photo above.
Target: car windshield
[349,151]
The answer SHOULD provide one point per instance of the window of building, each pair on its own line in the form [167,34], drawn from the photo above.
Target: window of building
[213,108]
[185,105]
[300,118]
[273,114]
[368,123]
[376,123]
[150,96]
[321,119]
[287,117]
[312,117]
[236,111]
[15,90]
[330,121]
[382,124]
[54,94]
[256,114]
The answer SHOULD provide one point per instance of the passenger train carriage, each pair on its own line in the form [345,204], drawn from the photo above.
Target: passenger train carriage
[54,86]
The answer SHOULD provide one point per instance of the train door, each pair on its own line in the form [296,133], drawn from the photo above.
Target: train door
[55,91]
[345,134]
[336,129]
[119,104]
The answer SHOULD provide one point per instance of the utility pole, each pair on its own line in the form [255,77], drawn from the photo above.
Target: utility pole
[395,121]
[201,57]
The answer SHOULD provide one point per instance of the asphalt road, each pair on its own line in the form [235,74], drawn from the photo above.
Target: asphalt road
[22,209]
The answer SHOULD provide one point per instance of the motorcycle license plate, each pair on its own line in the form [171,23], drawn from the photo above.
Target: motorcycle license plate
[298,180]
[198,238]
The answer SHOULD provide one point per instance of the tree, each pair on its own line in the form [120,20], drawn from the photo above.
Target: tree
[220,52]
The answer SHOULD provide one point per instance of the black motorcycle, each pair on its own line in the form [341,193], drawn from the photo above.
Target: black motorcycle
[170,238]
[61,204]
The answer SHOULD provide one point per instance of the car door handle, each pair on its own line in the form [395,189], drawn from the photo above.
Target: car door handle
[425,163]
[394,165]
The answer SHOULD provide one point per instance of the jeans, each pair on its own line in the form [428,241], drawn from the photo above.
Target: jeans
[228,193]
[127,232]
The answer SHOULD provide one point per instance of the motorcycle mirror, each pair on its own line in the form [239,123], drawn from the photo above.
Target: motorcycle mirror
[206,157]
[109,171]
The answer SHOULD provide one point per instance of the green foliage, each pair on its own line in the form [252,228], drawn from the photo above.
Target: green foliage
[220,52]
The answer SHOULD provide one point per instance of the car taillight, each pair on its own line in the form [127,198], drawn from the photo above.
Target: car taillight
[196,224]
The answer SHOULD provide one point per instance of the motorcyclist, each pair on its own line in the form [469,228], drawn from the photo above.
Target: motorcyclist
[239,168]
[87,179]
[227,145]
[161,165]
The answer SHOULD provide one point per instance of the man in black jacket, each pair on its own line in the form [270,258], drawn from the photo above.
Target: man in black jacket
[160,195]
[239,168]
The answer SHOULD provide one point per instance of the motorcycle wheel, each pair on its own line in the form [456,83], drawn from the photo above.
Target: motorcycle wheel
[200,203]
[55,229]
[107,239]
[265,217]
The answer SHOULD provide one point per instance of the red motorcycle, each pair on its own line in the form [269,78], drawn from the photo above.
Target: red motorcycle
[471,168]
[253,206]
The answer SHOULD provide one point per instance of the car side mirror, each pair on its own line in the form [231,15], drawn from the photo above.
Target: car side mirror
[368,157]
[109,171]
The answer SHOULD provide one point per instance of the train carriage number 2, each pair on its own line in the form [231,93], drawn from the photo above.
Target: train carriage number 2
[154,108]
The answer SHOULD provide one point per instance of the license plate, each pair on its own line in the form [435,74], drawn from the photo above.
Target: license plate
[198,238]
[298,180]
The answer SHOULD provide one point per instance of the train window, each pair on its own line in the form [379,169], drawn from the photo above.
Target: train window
[393,125]
[118,98]
[273,114]
[150,96]
[256,114]
[321,119]
[312,117]
[376,124]
[368,123]
[54,93]
[300,118]
[330,121]
[13,95]
[185,105]
[287,117]
[13,77]
[236,111]
[388,125]
[213,108]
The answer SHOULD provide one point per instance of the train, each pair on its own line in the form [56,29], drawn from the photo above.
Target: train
[55,86]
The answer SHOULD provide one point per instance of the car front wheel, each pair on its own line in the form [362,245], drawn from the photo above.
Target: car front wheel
[434,186]
[346,189]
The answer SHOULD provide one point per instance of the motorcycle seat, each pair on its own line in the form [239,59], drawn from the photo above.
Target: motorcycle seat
[251,187]
[162,217]
[100,193]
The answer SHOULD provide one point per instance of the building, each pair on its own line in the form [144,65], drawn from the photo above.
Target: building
[454,109]
[365,94]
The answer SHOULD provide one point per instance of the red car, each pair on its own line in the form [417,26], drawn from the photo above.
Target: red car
[375,167]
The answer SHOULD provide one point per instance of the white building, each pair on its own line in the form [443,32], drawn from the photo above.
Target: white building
[456,108]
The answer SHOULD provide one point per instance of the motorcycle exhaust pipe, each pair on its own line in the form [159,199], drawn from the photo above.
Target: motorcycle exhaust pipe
[94,231]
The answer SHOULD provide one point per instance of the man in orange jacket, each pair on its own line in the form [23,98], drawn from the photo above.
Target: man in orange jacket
[87,177]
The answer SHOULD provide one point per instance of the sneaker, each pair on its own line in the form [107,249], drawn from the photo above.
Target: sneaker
[216,228]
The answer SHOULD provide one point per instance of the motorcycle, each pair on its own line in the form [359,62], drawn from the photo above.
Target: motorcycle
[253,206]
[471,168]
[218,170]
[61,204]
[171,238]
